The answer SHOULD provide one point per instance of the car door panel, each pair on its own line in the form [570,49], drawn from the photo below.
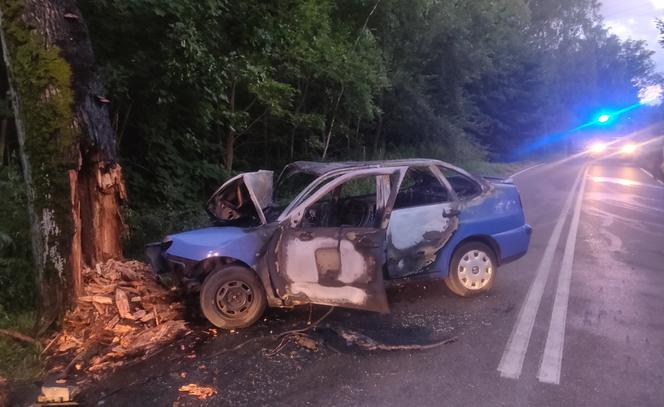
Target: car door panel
[297,246]
[416,235]
[333,270]
[362,258]
[338,266]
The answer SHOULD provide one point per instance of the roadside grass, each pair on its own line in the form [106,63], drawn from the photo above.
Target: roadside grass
[19,361]
[502,170]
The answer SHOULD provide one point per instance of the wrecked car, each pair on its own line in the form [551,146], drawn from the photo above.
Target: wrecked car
[331,233]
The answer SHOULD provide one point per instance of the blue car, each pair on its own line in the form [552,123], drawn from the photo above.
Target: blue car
[331,233]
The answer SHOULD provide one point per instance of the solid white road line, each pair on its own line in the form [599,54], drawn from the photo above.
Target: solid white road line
[511,362]
[525,169]
[549,371]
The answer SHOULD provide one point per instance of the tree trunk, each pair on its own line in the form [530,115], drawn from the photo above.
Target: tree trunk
[229,149]
[74,183]
[376,143]
[3,140]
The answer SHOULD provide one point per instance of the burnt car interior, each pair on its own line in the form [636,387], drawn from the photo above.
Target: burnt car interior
[233,207]
[288,187]
[420,187]
[463,186]
[350,204]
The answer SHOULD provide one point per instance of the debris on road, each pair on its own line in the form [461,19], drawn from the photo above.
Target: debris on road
[198,391]
[124,315]
[300,339]
[306,342]
[354,338]
[58,394]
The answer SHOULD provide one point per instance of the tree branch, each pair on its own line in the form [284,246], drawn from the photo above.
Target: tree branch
[17,336]
[343,86]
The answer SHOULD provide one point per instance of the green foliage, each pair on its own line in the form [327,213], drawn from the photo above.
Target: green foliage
[19,361]
[16,269]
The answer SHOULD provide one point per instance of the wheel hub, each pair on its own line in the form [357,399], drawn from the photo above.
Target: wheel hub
[234,298]
[475,269]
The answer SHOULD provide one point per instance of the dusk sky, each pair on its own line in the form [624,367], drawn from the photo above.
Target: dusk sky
[635,19]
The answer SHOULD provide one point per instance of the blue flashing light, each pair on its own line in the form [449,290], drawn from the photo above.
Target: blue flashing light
[603,118]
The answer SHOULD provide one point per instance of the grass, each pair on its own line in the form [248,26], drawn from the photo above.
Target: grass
[19,361]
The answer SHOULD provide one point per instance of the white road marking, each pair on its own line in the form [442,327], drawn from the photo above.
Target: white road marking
[549,371]
[647,172]
[511,362]
[525,169]
[624,182]
[651,176]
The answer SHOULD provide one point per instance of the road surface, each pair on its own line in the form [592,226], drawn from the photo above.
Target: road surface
[578,321]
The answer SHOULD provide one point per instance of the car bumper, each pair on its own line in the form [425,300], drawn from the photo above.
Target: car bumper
[162,263]
[514,243]
[170,270]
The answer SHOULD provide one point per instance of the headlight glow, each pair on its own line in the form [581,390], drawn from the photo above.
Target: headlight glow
[628,148]
[597,147]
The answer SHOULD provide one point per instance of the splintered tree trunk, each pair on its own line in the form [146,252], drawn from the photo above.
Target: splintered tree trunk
[67,147]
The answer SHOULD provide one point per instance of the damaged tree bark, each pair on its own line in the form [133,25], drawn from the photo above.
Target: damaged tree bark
[66,142]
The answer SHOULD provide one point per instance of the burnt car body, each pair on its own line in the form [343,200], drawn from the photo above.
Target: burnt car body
[349,227]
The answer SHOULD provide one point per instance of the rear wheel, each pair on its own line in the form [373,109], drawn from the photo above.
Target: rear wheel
[232,297]
[472,270]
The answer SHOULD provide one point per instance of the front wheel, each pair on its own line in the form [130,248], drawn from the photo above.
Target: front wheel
[232,297]
[472,270]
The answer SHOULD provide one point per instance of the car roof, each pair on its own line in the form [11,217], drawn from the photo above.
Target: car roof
[320,168]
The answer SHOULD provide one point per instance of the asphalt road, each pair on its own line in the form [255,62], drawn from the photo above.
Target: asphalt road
[578,321]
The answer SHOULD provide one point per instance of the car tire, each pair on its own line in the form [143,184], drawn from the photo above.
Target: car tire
[472,269]
[232,297]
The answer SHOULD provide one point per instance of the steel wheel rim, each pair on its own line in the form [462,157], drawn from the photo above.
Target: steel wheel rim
[234,298]
[475,269]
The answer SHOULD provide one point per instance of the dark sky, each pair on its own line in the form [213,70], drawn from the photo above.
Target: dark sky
[635,19]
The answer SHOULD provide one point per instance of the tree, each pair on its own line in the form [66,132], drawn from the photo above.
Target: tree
[67,146]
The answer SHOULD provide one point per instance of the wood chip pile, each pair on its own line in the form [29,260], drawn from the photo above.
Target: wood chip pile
[4,392]
[198,391]
[123,315]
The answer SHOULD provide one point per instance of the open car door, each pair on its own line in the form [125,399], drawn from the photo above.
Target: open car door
[242,199]
[330,249]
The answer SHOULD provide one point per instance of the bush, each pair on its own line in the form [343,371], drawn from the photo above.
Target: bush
[152,224]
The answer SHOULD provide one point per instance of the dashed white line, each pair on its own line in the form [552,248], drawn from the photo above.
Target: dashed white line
[511,362]
[651,176]
[647,172]
[549,371]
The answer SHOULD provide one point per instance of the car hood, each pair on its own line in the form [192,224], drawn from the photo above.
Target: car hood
[228,241]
